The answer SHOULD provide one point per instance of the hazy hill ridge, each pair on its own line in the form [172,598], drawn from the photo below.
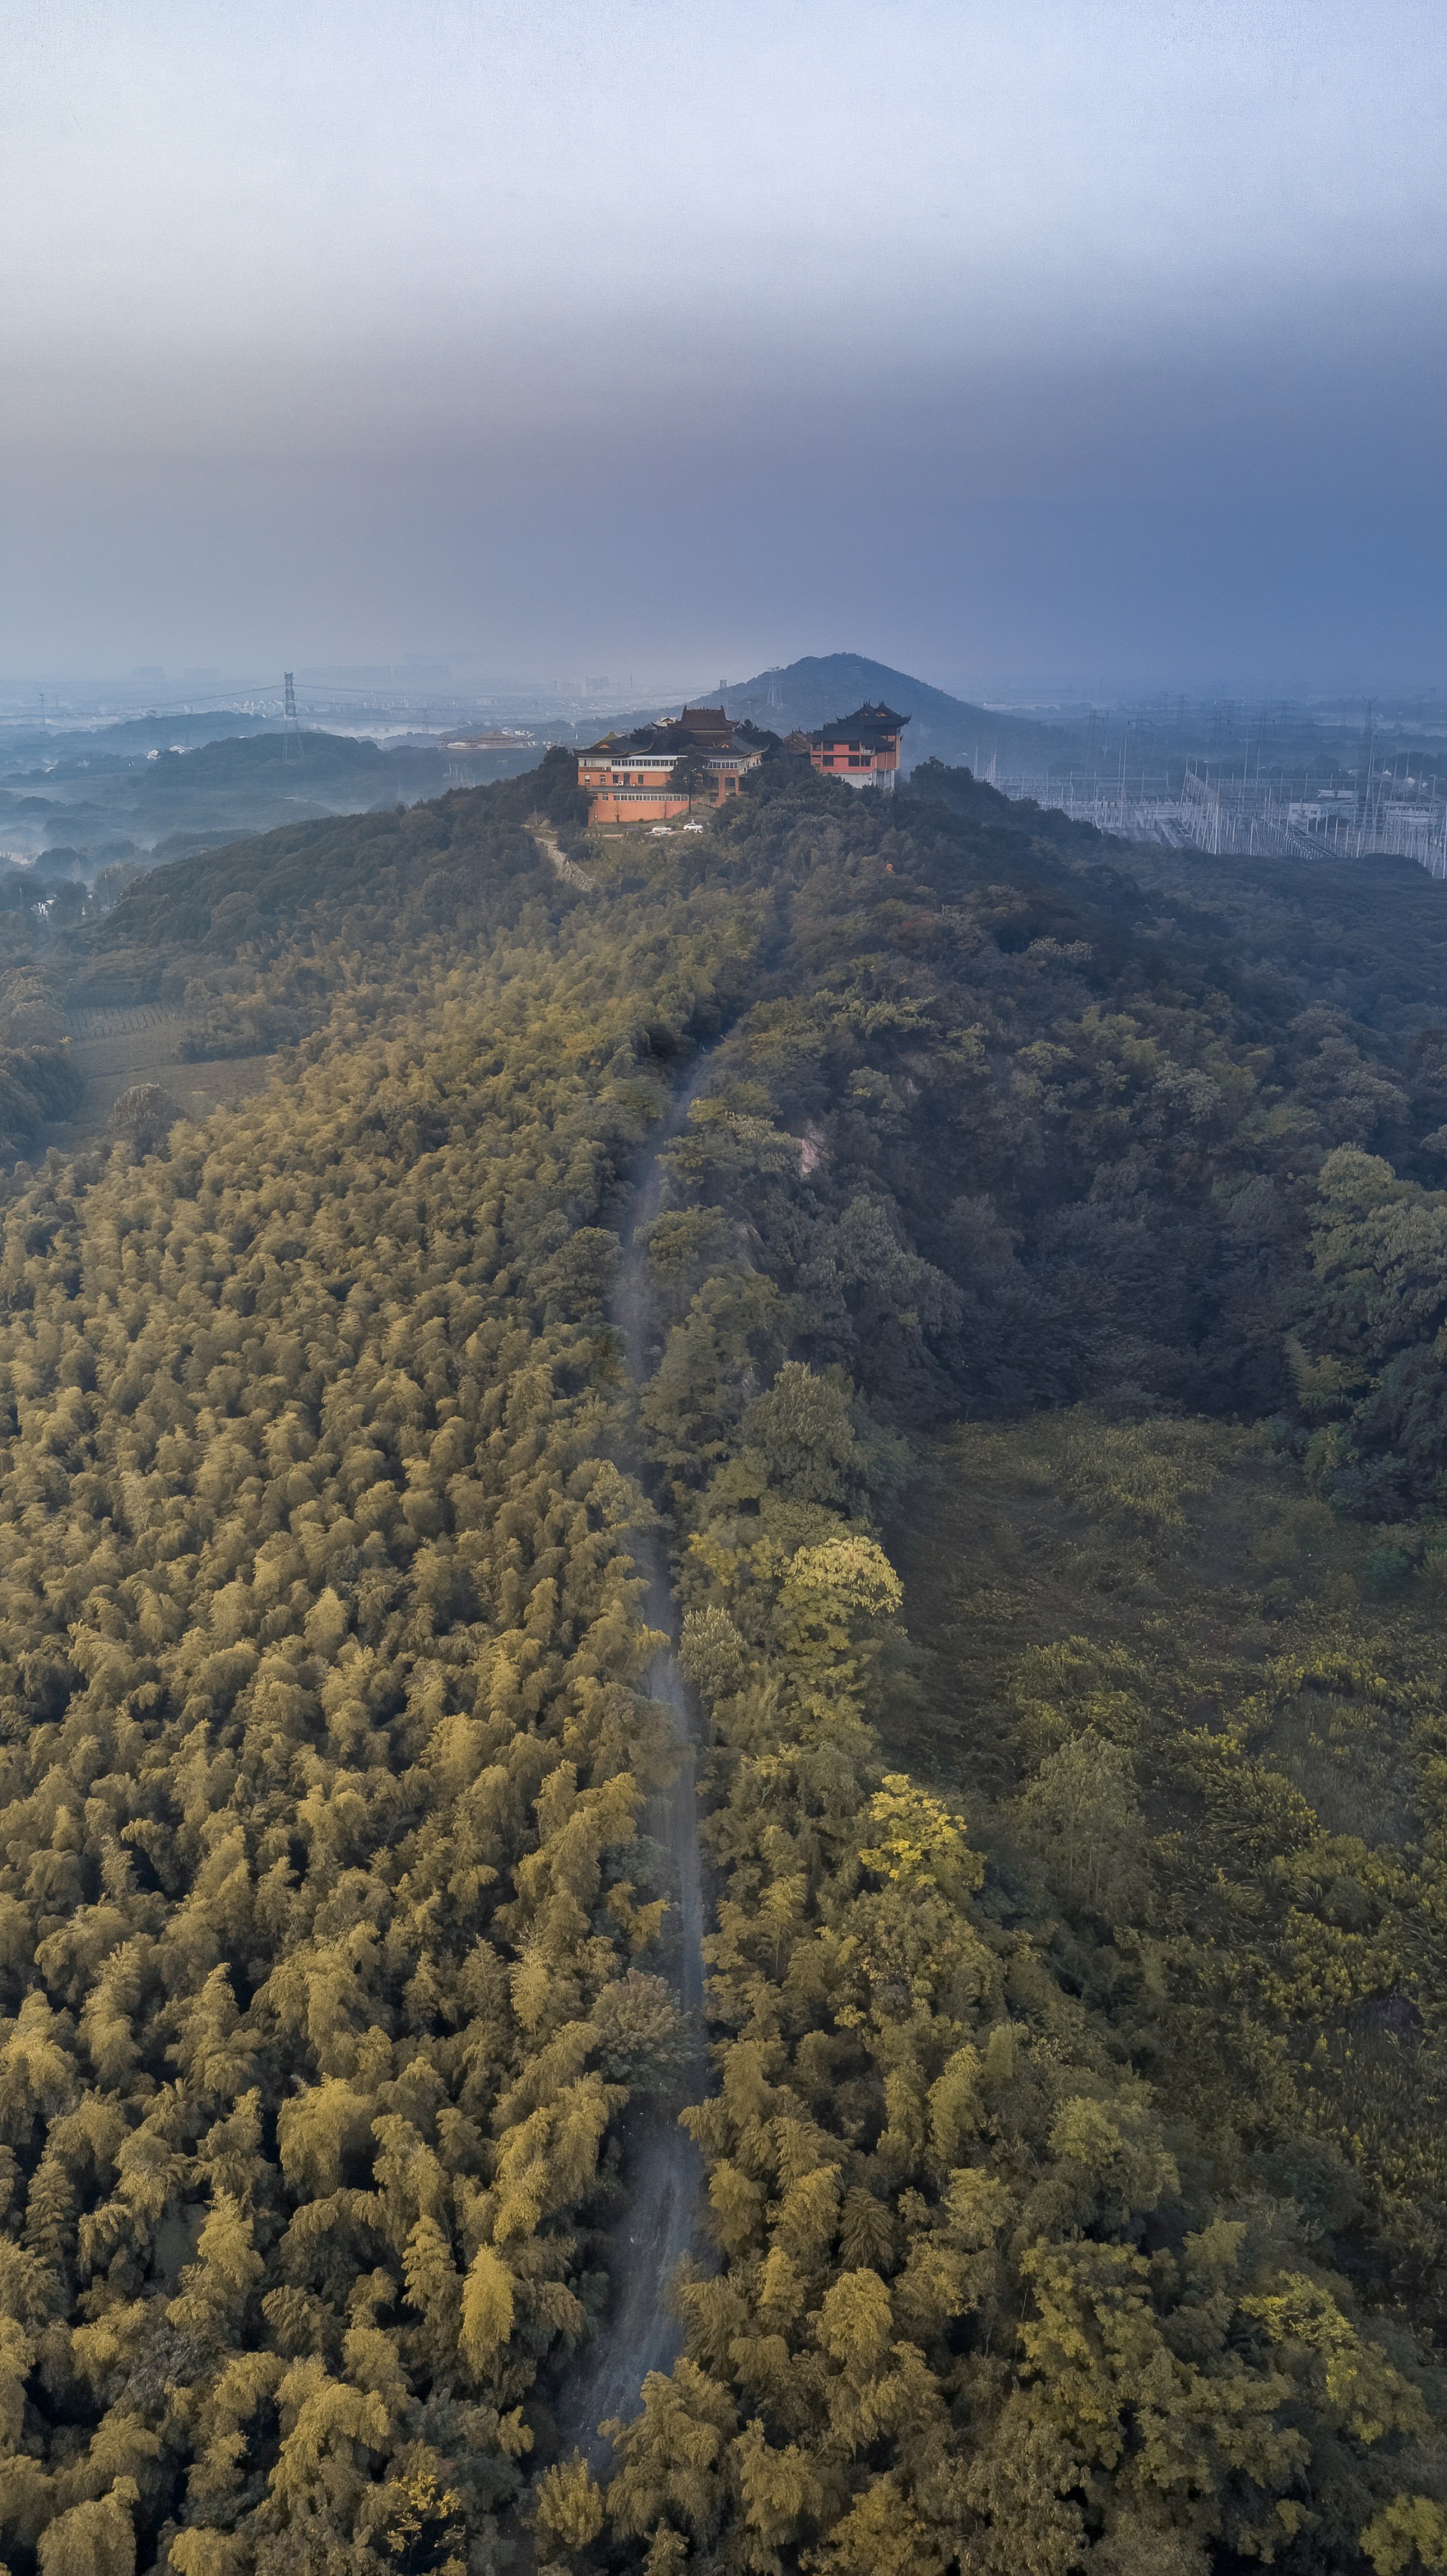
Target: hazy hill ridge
[111,791]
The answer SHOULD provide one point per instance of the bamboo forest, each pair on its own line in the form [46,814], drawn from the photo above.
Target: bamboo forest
[722,1710]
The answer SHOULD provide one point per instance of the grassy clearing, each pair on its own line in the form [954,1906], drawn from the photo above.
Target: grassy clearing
[113,1049]
[1186,1547]
[127,1020]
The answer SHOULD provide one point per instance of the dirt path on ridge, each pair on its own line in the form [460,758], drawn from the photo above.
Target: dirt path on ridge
[567,869]
[662,2169]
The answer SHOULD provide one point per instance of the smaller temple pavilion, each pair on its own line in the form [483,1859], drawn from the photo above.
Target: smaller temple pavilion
[630,776]
[862,749]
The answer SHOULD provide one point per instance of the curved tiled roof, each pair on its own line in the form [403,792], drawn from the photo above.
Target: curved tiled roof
[866,725]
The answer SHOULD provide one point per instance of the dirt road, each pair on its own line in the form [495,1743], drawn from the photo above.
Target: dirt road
[565,868]
[663,2171]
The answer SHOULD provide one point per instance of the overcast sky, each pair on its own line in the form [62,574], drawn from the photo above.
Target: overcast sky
[1025,344]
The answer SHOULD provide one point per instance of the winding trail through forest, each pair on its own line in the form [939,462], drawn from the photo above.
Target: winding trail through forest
[571,874]
[663,2170]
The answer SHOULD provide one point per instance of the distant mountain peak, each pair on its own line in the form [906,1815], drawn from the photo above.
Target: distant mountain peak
[819,687]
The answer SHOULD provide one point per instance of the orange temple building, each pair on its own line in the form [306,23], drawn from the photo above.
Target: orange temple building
[630,776]
[862,749]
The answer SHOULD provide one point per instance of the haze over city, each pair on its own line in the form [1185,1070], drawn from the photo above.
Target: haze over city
[1035,348]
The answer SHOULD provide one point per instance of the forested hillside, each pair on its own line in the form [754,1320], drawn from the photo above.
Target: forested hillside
[237,951]
[164,788]
[1045,1423]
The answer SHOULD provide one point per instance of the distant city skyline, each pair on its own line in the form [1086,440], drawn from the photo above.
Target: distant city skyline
[1043,345]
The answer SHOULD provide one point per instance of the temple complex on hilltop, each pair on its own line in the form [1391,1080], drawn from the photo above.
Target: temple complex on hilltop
[862,749]
[630,776]
[636,777]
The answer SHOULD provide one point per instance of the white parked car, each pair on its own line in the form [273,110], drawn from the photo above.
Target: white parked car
[661,831]
[691,827]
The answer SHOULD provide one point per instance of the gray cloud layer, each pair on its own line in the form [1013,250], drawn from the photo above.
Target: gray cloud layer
[1008,336]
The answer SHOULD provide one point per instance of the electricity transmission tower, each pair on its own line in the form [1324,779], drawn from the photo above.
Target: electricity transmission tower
[292,735]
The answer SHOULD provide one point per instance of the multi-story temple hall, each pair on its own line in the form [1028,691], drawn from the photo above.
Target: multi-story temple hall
[654,773]
[862,749]
[659,770]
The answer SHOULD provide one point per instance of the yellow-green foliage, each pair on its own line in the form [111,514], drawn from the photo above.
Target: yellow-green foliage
[1022,2177]
[1277,1895]
[324,1921]
[934,2338]
[1146,1471]
[1072,2149]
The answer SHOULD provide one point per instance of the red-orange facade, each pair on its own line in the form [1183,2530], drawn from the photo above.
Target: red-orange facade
[862,749]
[629,776]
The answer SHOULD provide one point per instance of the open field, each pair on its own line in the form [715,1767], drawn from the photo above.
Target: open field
[140,1042]
[137,1019]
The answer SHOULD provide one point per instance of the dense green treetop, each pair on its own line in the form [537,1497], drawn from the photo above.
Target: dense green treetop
[1050,2224]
